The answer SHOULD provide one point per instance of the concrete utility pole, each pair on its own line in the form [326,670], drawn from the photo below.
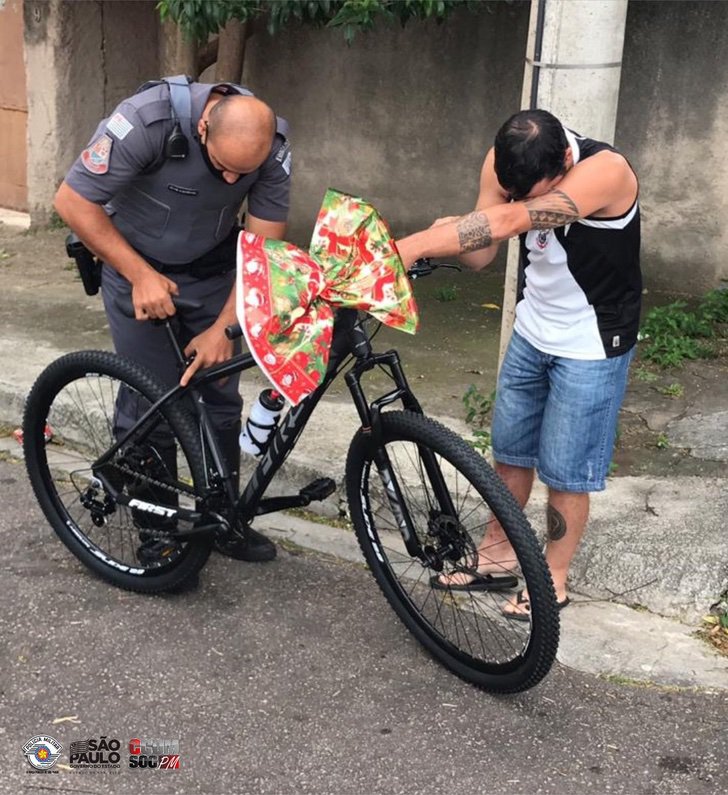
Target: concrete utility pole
[572,69]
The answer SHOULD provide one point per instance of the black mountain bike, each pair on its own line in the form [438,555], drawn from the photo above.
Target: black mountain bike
[420,497]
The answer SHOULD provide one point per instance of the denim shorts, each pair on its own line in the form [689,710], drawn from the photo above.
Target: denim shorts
[558,415]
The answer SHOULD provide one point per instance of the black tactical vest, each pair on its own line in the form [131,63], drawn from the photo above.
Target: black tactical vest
[178,210]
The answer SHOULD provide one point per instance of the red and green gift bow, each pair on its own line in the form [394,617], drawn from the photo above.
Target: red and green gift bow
[286,297]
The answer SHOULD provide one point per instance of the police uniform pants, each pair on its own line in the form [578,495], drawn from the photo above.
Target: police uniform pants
[148,344]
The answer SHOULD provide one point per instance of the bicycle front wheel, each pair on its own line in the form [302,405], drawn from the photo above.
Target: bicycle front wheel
[76,411]
[421,505]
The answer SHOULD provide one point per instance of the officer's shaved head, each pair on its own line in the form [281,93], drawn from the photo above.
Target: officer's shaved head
[242,123]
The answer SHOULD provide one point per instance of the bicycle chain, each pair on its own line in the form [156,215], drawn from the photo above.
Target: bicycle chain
[148,479]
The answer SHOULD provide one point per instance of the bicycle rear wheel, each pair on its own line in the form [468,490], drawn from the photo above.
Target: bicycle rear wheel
[449,494]
[80,401]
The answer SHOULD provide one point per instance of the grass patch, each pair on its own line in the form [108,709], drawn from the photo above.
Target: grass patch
[628,681]
[714,627]
[317,518]
[446,294]
[478,407]
[672,390]
[56,222]
[641,373]
[673,333]
[714,635]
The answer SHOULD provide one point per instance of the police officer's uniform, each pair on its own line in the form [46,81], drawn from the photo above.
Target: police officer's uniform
[180,215]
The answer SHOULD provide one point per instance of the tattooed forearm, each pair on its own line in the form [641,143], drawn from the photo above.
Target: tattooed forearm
[552,209]
[474,232]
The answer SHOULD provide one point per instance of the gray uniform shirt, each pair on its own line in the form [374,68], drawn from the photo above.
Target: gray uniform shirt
[182,209]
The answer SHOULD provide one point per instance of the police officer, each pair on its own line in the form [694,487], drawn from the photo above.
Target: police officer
[156,195]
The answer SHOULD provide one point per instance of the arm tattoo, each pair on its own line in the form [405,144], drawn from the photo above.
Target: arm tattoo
[556,524]
[474,232]
[552,209]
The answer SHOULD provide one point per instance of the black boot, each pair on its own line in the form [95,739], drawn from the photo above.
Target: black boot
[253,546]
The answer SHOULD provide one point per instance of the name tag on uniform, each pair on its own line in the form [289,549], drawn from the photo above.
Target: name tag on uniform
[183,191]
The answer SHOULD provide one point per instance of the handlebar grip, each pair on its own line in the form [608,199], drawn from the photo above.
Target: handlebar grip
[126,307]
[234,331]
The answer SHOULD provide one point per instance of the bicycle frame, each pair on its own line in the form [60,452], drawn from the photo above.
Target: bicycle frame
[350,339]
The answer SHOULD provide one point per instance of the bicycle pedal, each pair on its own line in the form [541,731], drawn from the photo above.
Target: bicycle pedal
[320,489]
[152,552]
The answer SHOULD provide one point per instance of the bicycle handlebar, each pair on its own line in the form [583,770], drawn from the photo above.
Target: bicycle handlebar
[420,268]
[126,307]
[234,331]
[425,266]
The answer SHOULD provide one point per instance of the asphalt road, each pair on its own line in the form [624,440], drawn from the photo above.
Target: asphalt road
[296,677]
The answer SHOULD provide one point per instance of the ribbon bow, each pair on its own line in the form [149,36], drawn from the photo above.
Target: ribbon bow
[286,297]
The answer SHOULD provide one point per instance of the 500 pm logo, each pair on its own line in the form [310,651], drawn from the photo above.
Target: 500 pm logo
[154,754]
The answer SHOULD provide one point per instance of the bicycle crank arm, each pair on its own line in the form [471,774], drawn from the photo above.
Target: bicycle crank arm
[200,531]
[320,489]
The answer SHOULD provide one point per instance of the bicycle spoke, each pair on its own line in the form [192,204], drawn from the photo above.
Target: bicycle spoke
[473,622]
[83,417]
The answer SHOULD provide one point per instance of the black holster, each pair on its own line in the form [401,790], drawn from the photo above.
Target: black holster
[89,268]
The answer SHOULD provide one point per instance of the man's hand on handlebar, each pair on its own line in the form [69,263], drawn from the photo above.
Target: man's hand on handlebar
[151,295]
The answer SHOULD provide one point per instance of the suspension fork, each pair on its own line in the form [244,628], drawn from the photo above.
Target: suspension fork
[370,415]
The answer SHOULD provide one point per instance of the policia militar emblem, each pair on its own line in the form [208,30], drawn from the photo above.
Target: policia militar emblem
[42,752]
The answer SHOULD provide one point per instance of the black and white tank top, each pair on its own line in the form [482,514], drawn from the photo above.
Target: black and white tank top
[581,286]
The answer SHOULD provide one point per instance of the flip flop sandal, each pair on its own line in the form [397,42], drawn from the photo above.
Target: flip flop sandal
[480,582]
[525,603]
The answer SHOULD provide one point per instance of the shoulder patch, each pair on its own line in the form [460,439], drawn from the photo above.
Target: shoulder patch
[120,126]
[95,158]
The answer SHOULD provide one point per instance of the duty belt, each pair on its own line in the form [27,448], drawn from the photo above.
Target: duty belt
[218,260]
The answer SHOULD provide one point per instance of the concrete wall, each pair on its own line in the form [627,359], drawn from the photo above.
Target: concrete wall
[673,124]
[402,117]
[405,116]
[81,58]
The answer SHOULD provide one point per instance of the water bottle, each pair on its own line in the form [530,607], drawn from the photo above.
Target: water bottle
[261,422]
